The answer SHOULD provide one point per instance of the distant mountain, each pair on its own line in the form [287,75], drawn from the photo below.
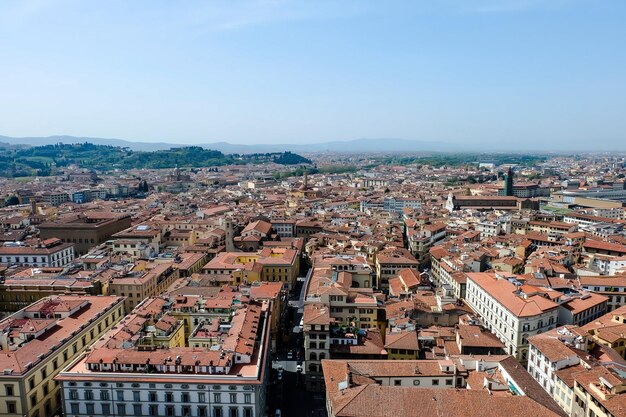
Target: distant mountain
[357,145]
[380,145]
[53,140]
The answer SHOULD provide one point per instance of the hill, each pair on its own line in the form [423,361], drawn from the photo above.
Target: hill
[46,160]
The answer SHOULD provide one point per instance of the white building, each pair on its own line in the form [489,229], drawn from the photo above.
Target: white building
[228,379]
[508,312]
[552,351]
[45,254]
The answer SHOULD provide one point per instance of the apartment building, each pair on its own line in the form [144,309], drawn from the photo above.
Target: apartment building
[612,287]
[600,392]
[609,330]
[390,262]
[145,279]
[316,328]
[44,253]
[275,264]
[227,379]
[552,351]
[512,315]
[38,341]
[422,238]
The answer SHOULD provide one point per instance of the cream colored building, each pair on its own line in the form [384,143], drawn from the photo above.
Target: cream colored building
[40,340]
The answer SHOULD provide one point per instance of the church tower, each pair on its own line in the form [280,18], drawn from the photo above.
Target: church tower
[508,183]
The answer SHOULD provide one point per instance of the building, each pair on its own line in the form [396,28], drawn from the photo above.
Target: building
[316,327]
[227,378]
[455,203]
[552,351]
[609,330]
[145,279]
[55,199]
[275,264]
[402,345]
[45,253]
[390,262]
[433,388]
[600,392]
[612,287]
[29,285]
[85,230]
[508,183]
[40,340]
[512,315]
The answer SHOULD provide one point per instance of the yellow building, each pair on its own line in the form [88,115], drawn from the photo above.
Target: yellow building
[276,264]
[609,330]
[402,345]
[599,392]
[146,279]
[43,338]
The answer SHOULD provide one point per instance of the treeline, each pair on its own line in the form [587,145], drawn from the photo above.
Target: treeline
[46,160]
[329,169]
[438,160]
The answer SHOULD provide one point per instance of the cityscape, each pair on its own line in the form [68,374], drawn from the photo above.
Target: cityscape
[262,289]
[295,208]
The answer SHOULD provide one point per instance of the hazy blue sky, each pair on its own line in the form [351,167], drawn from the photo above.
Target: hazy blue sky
[485,71]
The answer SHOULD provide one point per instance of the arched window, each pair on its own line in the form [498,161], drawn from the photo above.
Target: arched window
[313,356]
[322,355]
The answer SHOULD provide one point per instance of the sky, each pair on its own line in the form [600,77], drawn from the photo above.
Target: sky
[544,73]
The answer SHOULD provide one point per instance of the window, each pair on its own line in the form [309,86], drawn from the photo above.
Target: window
[44,373]
[136,396]
[217,397]
[73,394]
[186,411]
[435,382]
[169,397]
[448,382]
[247,412]
[31,383]
[137,409]
[233,412]
[74,407]
[120,395]
[90,408]
[217,411]
[11,407]
[152,396]
[8,389]
[202,411]
[121,409]
[233,398]
[106,408]
[88,394]
[104,395]
[153,410]
[184,397]
[397,382]
[55,364]
[247,398]
[201,397]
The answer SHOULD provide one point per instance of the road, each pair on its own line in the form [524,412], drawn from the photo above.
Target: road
[288,394]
